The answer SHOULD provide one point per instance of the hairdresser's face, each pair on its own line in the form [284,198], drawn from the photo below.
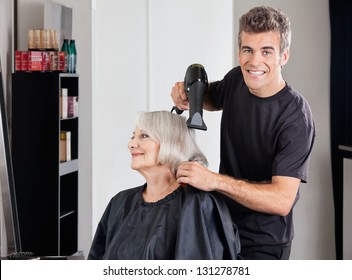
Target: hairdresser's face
[144,151]
[261,62]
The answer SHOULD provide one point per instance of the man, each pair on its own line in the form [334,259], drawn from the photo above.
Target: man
[267,133]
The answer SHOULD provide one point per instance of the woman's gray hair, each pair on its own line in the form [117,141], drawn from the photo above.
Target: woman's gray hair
[177,141]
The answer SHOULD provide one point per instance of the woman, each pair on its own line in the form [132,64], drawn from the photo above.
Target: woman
[161,219]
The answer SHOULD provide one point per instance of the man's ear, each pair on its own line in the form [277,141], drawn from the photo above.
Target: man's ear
[284,57]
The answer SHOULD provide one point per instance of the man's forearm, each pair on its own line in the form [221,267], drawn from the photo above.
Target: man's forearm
[268,197]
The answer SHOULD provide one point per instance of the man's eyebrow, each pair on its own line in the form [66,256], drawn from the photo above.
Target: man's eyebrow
[246,47]
[263,48]
[268,47]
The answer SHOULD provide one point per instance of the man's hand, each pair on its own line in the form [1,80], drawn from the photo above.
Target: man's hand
[196,175]
[179,96]
[275,197]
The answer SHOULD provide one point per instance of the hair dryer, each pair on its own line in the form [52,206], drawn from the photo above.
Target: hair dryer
[196,85]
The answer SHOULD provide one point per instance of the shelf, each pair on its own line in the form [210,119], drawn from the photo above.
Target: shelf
[68,118]
[345,148]
[66,214]
[68,75]
[46,189]
[68,167]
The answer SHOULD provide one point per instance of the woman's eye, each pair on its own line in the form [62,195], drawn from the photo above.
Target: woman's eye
[144,135]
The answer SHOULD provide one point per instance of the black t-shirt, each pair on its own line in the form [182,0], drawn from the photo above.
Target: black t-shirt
[261,138]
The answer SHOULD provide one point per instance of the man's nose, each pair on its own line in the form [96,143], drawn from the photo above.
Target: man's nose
[256,58]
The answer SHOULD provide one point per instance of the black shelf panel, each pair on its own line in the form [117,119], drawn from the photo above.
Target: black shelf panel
[68,193]
[46,190]
[68,235]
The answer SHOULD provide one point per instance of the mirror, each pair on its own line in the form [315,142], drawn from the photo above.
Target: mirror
[8,195]
[58,17]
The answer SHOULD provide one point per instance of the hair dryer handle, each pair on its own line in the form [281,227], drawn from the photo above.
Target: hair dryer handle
[178,111]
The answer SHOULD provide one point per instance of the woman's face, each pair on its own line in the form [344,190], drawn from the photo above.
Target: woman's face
[144,150]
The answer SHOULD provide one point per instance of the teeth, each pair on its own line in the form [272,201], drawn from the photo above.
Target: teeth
[136,155]
[256,73]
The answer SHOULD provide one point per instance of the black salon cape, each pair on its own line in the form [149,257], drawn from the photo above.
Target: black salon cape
[186,224]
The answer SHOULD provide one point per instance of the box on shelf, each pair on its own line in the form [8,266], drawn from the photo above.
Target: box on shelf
[72,106]
[65,146]
[40,61]
[21,61]
[35,61]
[64,103]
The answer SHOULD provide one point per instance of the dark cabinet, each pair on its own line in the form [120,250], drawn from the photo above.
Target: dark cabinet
[46,189]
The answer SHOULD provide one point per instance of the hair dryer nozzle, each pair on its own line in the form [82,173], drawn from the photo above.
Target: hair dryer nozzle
[196,85]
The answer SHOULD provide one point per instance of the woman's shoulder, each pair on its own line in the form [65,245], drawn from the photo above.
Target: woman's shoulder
[127,195]
[194,194]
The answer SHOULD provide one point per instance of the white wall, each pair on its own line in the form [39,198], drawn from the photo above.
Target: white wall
[138,59]
[120,89]
[30,15]
[203,34]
